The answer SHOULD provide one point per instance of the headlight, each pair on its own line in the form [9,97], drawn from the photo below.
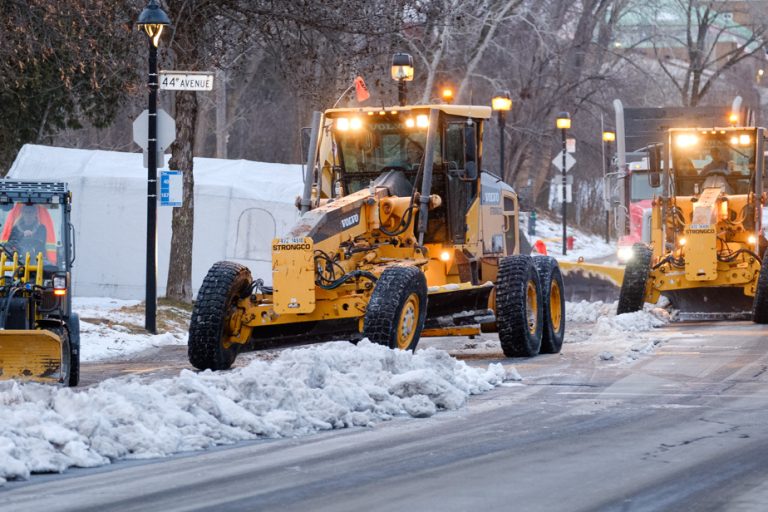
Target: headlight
[60,284]
[686,140]
[625,254]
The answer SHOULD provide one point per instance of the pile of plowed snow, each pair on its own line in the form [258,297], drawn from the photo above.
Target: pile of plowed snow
[335,385]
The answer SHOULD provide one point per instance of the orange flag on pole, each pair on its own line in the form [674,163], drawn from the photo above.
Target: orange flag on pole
[361,91]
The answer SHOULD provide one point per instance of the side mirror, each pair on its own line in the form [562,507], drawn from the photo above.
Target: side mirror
[306,133]
[654,165]
[470,172]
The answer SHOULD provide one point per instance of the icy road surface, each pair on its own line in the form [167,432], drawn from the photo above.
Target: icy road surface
[670,418]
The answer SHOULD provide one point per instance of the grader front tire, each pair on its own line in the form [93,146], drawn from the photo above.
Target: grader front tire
[225,284]
[632,294]
[760,302]
[398,307]
[519,311]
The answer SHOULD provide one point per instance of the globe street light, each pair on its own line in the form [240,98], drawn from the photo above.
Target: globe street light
[402,71]
[152,20]
[501,103]
[608,137]
[563,123]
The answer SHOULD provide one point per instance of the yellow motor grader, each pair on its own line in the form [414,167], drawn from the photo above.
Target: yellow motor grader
[402,236]
[706,227]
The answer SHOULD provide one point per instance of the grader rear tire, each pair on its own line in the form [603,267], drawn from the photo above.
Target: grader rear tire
[760,302]
[398,307]
[553,300]
[632,294]
[519,311]
[225,284]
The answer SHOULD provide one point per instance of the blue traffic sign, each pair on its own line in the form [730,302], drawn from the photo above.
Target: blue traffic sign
[171,188]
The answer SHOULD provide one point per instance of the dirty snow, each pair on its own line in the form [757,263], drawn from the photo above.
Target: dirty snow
[109,337]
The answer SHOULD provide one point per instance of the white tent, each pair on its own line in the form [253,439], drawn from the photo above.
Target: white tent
[239,207]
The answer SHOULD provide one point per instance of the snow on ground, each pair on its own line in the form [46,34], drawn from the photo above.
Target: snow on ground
[620,338]
[322,387]
[114,329]
[585,245]
[301,391]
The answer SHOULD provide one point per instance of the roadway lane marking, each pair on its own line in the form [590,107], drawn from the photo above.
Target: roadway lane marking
[696,395]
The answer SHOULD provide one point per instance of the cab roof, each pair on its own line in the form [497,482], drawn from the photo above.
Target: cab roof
[474,111]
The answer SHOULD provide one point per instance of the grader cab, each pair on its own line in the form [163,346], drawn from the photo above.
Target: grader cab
[402,236]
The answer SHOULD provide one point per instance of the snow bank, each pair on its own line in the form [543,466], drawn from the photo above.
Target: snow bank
[335,385]
[597,324]
[585,245]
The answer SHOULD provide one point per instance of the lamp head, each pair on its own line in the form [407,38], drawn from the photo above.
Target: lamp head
[501,101]
[152,20]
[402,67]
[563,120]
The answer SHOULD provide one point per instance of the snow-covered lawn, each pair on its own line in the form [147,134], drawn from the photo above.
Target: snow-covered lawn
[300,391]
[585,245]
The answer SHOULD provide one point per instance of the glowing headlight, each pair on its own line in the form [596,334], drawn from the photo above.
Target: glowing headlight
[445,256]
[682,241]
[422,120]
[355,123]
[410,123]
[625,254]
[686,140]
[342,124]
[752,239]
[744,139]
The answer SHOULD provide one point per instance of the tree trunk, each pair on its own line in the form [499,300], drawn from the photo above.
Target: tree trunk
[179,286]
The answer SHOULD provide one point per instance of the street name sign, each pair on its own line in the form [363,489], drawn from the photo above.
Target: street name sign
[185,81]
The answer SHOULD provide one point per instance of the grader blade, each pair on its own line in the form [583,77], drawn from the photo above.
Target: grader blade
[591,281]
[34,355]
[710,304]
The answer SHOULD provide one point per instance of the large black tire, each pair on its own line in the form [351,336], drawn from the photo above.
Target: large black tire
[553,304]
[519,312]
[73,327]
[398,307]
[760,302]
[225,284]
[66,352]
[632,294]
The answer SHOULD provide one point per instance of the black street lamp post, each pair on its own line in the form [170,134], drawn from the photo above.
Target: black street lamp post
[564,123]
[608,137]
[501,103]
[152,20]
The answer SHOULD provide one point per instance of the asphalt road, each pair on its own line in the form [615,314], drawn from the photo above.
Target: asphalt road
[683,428]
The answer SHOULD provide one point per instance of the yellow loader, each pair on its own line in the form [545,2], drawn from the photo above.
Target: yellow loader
[39,333]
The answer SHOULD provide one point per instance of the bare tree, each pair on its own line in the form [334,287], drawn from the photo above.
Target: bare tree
[696,42]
